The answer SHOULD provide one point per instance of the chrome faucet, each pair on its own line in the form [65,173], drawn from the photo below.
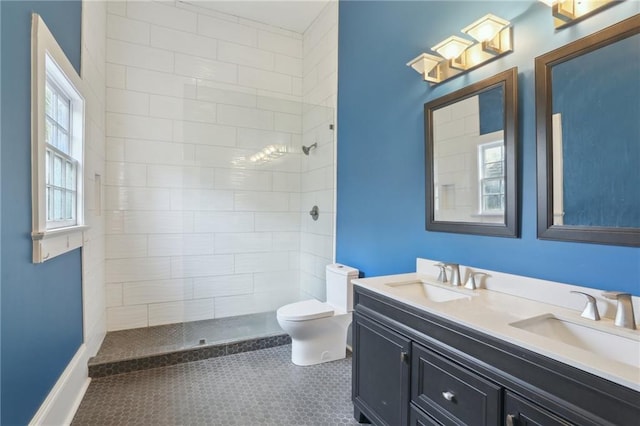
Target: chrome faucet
[442,276]
[455,273]
[591,309]
[471,282]
[624,311]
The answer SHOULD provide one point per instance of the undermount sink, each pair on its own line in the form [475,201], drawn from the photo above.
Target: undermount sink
[618,345]
[422,290]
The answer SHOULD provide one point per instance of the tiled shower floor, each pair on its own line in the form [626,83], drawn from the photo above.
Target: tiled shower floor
[143,348]
[144,342]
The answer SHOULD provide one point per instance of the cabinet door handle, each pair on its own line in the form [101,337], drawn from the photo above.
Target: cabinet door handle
[511,420]
[404,357]
[449,396]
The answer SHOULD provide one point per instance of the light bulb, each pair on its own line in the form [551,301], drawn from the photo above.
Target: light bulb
[486,28]
[452,47]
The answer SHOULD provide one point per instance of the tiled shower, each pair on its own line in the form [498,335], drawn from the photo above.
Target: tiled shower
[195,228]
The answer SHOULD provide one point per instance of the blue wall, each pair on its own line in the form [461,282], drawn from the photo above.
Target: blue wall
[41,304]
[381,172]
[599,190]
[491,105]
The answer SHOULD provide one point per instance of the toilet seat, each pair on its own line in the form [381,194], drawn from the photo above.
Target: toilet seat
[305,311]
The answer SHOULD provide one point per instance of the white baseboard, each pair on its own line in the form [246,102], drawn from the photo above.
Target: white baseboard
[64,399]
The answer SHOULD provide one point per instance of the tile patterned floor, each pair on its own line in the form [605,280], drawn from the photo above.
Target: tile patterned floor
[261,387]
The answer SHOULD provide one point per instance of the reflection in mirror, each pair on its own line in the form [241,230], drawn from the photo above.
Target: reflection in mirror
[470,138]
[588,100]
[600,162]
[468,159]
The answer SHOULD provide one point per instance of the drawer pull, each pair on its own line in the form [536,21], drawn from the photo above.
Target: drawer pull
[404,357]
[449,396]
[511,420]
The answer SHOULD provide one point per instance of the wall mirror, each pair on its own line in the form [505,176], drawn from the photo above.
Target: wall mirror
[588,138]
[471,175]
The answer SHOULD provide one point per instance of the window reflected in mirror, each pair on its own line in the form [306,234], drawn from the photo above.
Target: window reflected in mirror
[491,177]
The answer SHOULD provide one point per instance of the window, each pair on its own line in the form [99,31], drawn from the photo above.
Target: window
[491,179]
[61,168]
[57,142]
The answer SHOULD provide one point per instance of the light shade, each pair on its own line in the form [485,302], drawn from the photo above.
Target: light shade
[452,47]
[566,12]
[486,28]
[424,63]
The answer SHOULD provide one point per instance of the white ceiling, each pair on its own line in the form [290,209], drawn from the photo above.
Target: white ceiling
[294,15]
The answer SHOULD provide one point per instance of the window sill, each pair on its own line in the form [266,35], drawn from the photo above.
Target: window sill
[51,243]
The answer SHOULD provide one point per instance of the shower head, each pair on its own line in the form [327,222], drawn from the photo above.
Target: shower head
[306,149]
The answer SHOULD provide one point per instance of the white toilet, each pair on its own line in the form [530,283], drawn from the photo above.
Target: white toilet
[319,330]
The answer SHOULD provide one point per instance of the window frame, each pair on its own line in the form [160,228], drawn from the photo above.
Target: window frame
[482,147]
[52,152]
[48,61]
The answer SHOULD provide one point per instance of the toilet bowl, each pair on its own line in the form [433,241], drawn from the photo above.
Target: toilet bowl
[318,330]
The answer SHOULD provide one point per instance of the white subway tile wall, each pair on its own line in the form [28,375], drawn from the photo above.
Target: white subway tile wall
[194,228]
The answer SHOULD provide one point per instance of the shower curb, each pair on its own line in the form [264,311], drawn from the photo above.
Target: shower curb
[110,368]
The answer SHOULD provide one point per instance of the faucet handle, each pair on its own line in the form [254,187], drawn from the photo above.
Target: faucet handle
[455,273]
[471,282]
[624,310]
[615,295]
[442,276]
[591,309]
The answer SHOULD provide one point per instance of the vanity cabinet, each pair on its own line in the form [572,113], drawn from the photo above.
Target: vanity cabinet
[381,373]
[411,367]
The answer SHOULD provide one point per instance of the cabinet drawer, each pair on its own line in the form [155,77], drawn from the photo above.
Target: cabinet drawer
[520,412]
[418,418]
[452,394]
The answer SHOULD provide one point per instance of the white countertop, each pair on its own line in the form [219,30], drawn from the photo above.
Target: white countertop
[491,312]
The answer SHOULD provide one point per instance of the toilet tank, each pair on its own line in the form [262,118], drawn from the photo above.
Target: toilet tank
[340,287]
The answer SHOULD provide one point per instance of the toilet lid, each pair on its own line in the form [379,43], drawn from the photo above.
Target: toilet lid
[305,310]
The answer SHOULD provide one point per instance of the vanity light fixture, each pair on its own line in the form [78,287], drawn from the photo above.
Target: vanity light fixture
[566,12]
[457,54]
[427,65]
[487,30]
[452,47]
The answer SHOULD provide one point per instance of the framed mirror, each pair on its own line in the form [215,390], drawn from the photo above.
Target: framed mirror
[471,176]
[588,138]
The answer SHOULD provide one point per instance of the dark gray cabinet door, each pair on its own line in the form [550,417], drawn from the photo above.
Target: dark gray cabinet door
[380,372]
[520,412]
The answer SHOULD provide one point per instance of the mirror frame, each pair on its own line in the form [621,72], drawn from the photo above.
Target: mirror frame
[543,89]
[510,228]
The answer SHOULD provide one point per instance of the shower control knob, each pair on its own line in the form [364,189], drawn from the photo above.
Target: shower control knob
[315,212]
